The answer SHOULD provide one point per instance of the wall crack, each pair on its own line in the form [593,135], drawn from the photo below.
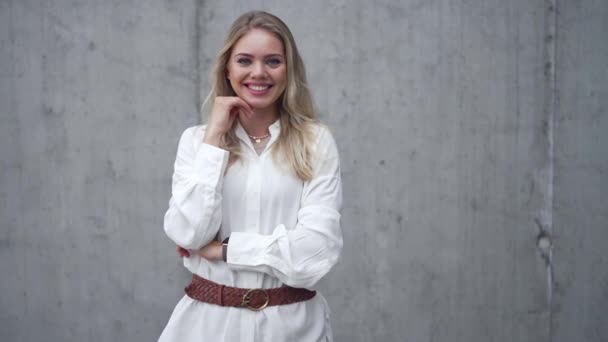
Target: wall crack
[545,223]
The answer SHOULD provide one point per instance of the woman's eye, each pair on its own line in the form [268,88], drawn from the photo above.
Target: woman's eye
[274,62]
[243,61]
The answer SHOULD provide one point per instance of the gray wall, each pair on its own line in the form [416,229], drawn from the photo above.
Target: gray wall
[469,131]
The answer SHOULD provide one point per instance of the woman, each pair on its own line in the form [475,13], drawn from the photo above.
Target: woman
[262,176]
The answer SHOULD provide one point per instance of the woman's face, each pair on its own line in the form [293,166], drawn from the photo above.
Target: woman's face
[256,69]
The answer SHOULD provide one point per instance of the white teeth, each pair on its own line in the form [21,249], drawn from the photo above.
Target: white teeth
[258,88]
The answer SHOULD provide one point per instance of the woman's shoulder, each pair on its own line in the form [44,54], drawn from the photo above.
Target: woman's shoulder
[192,137]
[197,131]
[323,137]
[194,131]
[321,131]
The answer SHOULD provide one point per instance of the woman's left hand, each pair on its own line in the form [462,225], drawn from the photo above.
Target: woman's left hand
[211,252]
[183,253]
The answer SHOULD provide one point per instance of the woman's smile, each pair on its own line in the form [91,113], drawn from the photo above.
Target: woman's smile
[258,89]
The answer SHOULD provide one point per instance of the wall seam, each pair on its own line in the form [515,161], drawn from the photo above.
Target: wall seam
[197,57]
[551,82]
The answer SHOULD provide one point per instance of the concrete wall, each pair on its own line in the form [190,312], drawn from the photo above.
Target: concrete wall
[469,131]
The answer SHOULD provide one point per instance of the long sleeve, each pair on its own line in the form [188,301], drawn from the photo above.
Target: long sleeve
[194,215]
[299,256]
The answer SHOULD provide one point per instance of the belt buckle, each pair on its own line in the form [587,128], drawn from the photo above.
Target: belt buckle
[247,297]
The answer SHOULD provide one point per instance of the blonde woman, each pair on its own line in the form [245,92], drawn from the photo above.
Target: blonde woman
[255,199]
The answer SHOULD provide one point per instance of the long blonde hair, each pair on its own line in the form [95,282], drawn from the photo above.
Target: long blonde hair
[296,110]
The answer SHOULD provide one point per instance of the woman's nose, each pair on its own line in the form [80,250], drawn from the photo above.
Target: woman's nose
[258,70]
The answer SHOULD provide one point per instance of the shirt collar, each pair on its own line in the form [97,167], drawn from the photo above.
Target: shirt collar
[241,134]
[275,129]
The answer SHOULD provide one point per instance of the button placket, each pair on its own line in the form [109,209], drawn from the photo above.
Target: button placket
[253,196]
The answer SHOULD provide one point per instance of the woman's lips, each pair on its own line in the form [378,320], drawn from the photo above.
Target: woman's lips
[258,89]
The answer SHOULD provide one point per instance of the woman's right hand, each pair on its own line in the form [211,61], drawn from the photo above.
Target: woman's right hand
[224,112]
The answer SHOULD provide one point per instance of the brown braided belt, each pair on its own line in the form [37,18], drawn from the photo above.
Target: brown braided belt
[207,291]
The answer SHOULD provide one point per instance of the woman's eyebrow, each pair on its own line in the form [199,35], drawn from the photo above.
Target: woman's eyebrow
[274,55]
[244,54]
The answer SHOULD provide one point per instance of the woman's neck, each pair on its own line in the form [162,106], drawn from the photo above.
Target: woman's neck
[259,123]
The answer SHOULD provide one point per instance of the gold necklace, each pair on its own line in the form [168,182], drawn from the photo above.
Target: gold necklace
[258,139]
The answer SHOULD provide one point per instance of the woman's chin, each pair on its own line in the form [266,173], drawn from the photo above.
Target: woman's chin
[259,105]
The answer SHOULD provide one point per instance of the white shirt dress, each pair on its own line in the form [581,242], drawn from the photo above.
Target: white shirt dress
[283,231]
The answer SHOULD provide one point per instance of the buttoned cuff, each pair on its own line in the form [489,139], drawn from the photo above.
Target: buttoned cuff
[247,249]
